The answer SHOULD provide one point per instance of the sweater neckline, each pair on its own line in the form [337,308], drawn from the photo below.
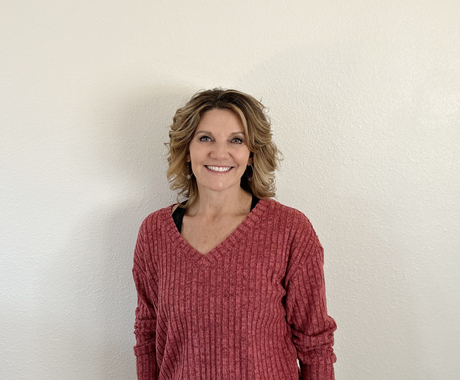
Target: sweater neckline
[237,237]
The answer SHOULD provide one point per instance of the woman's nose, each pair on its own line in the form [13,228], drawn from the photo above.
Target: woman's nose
[220,150]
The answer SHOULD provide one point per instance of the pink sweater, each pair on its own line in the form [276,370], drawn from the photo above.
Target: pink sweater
[247,310]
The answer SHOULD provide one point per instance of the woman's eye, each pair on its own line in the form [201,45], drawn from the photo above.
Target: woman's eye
[237,140]
[205,138]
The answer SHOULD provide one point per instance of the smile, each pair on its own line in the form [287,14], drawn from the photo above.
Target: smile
[220,169]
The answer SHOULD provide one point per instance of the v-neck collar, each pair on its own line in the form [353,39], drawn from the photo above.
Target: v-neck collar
[239,234]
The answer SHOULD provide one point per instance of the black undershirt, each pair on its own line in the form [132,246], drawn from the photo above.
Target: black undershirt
[179,212]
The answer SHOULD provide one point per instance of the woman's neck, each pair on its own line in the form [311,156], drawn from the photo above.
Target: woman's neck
[216,204]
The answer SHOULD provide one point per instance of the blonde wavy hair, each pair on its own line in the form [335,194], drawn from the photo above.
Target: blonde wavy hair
[259,179]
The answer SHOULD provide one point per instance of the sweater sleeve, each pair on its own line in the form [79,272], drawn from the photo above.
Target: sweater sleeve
[145,315]
[312,328]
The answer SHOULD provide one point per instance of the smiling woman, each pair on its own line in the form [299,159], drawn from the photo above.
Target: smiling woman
[259,179]
[230,282]
[218,152]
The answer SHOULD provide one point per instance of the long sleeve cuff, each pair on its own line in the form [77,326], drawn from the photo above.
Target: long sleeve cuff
[146,367]
[318,371]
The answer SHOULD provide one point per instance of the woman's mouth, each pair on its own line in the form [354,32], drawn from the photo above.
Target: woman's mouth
[220,169]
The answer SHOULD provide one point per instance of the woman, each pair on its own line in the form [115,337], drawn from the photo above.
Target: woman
[230,282]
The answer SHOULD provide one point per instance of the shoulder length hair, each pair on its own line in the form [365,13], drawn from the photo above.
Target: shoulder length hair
[259,179]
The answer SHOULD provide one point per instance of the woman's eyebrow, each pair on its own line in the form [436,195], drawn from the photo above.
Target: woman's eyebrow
[233,133]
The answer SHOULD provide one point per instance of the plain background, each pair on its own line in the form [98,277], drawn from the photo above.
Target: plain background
[364,97]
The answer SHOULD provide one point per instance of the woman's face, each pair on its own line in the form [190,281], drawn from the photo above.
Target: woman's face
[218,151]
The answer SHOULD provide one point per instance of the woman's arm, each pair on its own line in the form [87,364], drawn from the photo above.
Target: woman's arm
[145,322]
[306,312]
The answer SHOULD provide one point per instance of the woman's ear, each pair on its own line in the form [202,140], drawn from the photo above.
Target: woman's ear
[251,159]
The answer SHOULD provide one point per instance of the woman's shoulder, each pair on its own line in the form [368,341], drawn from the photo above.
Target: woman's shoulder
[302,236]
[285,213]
[295,227]
[157,217]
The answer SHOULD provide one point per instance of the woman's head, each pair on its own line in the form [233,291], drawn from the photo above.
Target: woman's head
[259,179]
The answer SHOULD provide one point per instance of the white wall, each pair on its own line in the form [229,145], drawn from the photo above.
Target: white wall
[365,102]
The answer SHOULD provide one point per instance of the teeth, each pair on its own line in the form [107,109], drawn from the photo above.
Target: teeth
[219,168]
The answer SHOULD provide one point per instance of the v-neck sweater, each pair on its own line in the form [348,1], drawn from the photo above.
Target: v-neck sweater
[246,310]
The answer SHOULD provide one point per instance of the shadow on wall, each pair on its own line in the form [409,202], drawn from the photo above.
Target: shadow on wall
[90,317]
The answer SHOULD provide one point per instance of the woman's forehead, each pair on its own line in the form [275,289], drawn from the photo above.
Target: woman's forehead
[220,120]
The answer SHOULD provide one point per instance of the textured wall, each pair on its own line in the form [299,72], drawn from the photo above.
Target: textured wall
[365,102]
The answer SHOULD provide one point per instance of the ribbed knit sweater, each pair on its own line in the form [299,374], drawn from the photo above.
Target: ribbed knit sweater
[247,310]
